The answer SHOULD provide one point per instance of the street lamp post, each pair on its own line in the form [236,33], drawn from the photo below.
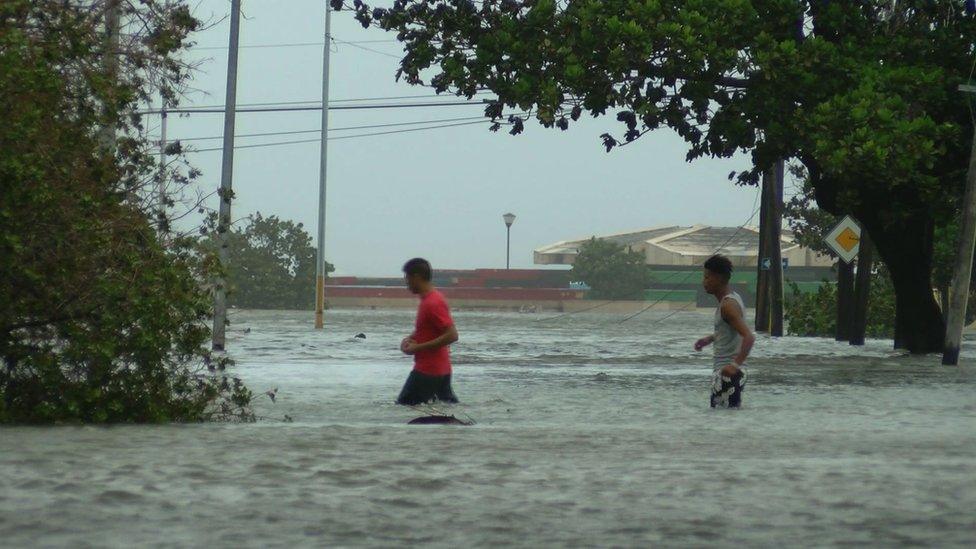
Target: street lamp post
[509,219]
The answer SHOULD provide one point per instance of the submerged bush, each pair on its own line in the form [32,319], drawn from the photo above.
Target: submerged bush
[815,314]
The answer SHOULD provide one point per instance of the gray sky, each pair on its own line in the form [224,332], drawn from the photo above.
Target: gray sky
[441,193]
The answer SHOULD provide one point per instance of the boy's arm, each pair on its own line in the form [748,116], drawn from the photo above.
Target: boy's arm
[449,336]
[704,342]
[732,314]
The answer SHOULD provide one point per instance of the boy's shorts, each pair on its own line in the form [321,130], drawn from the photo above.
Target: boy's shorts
[421,388]
[727,391]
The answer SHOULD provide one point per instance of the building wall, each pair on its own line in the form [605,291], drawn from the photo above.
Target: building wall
[553,259]
[798,257]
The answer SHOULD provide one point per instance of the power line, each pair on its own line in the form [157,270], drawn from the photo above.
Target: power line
[319,101]
[371,50]
[366,127]
[314,108]
[296,44]
[668,292]
[687,276]
[410,130]
[338,138]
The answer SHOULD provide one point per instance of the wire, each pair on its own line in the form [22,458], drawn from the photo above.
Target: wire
[294,44]
[336,138]
[353,44]
[367,127]
[408,130]
[687,276]
[319,101]
[755,210]
[667,293]
[605,303]
[197,110]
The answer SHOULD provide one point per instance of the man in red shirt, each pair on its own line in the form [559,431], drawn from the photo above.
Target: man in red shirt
[434,331]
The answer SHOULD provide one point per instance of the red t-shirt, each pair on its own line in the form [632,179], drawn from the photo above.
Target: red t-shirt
[433,319]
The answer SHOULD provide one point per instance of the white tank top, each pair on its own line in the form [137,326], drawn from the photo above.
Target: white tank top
[727,340]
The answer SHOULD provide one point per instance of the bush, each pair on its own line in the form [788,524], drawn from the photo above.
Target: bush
[815,315]
[101,320]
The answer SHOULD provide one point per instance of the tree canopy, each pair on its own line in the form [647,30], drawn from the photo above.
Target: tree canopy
[863,94]
[271,264]
[611,270]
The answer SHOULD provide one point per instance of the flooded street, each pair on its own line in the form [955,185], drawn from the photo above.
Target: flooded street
[590,432]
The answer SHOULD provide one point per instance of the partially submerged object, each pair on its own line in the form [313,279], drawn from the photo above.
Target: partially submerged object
[436,416]
[438,420]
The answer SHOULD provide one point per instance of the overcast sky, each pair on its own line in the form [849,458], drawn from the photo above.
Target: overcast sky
[440,193]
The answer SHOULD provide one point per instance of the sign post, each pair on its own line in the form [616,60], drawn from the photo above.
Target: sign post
[845,241]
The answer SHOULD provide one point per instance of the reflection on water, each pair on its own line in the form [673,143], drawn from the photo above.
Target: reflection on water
[590,432]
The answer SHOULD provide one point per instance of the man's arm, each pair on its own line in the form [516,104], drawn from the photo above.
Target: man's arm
[449,336]
[704,342]
[407,341]
[732,314]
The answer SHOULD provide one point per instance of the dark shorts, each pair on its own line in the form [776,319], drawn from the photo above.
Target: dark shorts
[727,391]
[421,388]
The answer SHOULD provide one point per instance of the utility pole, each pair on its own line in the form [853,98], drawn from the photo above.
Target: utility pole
[845,299]
[226,192]
[110,64]
[776,252]
[769,283]
[762,268]
[323,164]
[161,222]
[962,274]
[862,289]
[161,195]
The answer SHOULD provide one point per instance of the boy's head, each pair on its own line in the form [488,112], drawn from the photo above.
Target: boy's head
[417,273]
[717,273]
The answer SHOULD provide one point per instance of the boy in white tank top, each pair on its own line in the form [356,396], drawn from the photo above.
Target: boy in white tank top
[732,338]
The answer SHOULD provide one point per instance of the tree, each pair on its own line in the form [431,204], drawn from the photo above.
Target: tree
[863,94]
[101,319]
[811,224]
[612,271]
[271,265]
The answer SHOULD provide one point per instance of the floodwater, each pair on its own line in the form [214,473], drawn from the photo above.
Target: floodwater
[590,432]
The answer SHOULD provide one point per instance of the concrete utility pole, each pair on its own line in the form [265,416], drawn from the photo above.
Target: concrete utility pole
[962,275]
[226,192]
[110,63]
[862,289]
[776,253]
[161,195]
[323,164]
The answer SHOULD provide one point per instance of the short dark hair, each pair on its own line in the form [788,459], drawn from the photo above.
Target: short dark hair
[418,266]
[720,265]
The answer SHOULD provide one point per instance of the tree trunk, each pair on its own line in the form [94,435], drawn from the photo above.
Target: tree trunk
[944,301]
[907,250]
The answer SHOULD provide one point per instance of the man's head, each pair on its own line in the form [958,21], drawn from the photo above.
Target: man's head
[417,273]
[717,273]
